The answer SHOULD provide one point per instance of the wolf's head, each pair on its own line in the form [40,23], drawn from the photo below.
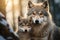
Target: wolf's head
[38,12]
[24,25]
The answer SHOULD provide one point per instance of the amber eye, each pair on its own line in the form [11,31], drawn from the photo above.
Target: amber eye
[27,24]
[34,13]
[41,13]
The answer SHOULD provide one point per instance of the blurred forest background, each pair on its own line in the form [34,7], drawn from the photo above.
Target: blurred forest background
[14,8]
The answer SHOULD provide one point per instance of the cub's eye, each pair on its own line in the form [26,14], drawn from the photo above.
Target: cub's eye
[29,27]
[21,24]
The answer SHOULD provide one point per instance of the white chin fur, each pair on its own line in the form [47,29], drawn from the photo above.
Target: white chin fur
[23,29]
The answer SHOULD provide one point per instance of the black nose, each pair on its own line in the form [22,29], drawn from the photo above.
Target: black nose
[25,30]
[37,21]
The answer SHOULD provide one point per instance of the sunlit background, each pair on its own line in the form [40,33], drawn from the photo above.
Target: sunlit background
[14,8]
[12,12]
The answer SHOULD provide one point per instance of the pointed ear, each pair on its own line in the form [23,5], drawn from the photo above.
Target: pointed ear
[30,4]
[45,4]
[19,18]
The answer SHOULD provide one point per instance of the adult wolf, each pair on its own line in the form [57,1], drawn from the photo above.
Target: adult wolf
[42,25]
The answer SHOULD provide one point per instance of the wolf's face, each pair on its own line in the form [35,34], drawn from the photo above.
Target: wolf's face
[38,13]
[24,25]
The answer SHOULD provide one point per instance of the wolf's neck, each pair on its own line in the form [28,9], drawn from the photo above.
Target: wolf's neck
[39,31]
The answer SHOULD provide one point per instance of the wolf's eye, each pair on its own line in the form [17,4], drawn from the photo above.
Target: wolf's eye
[41,13]
[34,13]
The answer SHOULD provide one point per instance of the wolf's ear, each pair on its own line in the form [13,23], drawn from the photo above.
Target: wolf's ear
[45,4]
[30,4]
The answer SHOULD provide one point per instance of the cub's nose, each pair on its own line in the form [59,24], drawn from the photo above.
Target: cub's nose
[37,21]
[25,30]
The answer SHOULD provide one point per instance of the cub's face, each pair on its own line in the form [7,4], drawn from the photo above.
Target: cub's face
[38,12]
[24,25]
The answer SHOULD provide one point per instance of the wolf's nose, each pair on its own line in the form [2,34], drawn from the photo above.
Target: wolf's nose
[37,21]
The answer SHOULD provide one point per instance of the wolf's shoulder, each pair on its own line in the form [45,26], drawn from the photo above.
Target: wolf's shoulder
[56,34]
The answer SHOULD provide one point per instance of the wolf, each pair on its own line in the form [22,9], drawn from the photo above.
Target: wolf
[43,27]
[24,28]
[6,33]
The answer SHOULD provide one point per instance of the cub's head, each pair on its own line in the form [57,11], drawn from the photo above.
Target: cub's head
[24,25]
[38,12]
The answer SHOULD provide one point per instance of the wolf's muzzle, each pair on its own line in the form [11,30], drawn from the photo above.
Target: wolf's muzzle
[37,21]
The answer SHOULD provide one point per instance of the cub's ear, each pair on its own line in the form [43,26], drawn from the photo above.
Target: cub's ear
[30,4]
[19,18]
[45,4]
